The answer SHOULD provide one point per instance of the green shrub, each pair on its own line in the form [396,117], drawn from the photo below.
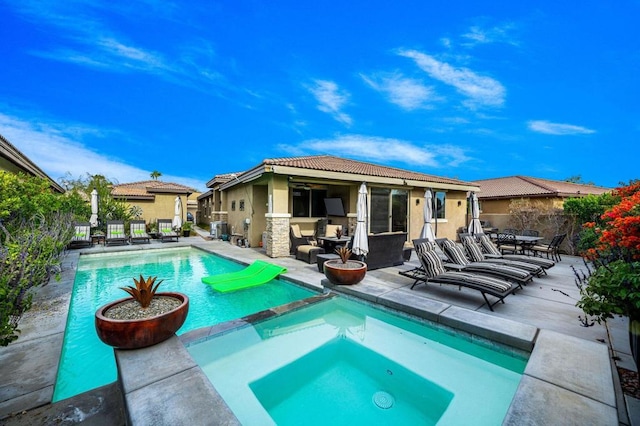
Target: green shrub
[29,256]
[36,224]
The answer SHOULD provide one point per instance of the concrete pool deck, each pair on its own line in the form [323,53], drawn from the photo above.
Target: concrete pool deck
[569,375]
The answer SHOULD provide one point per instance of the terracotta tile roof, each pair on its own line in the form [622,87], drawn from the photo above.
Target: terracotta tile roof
[222,178]
[330,163]
[147,189]
[523,186]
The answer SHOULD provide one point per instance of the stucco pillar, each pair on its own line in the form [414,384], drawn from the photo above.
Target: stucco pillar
[277,234]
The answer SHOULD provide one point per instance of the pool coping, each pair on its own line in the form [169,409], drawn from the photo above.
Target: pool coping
[554,385]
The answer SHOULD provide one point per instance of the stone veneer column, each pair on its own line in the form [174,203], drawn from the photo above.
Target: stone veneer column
[277,234]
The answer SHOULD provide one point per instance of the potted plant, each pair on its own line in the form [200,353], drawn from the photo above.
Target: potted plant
[344,271]
[144,319]
[186,229]
[153,230]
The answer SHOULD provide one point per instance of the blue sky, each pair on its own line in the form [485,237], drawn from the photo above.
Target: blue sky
[462,89]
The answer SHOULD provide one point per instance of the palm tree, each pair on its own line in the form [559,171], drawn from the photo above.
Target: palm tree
[155,175]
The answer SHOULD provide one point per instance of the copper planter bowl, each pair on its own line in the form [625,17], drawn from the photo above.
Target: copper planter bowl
[140,333]
[340,274]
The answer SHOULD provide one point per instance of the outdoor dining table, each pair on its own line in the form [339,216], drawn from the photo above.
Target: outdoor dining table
[520,239]
[330,243]
[525,241]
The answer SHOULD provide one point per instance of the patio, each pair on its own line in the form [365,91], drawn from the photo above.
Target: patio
[29,366]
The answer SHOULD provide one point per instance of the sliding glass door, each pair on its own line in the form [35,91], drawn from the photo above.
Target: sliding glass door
[388,210]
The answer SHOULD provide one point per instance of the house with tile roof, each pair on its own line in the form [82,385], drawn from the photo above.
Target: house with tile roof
[278,192]
[156,198]
[210,202]
[14,161]
[496,195]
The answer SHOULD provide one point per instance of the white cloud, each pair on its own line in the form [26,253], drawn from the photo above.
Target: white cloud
[382,150]
[549,128]
[57,149]
[480,90]
[84,38]
[496,34]
[405,92]
[331,99]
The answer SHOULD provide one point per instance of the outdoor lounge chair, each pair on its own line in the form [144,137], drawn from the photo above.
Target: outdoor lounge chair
[475,254]
[165,230]
[81,236]
[553,248]
[491,251]
[115,233]
[432,270]
[458,261]
[297,239]
[138,232]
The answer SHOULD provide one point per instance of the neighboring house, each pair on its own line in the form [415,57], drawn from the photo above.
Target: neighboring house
[14,161]
[496,195]
[154,197]
[282,191]
[210,202]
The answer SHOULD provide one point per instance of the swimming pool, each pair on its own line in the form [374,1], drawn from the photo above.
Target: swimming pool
[344,362]
[87,363]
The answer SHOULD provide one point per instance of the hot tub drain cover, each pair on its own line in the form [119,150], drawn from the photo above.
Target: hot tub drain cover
[383,400]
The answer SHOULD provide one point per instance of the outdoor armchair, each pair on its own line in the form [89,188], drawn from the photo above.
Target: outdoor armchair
[553,248]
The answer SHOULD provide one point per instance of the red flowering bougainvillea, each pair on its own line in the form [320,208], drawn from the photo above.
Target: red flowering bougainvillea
[620,234]
[614,287]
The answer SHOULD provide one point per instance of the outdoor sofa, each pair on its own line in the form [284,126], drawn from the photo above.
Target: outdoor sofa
[385,249]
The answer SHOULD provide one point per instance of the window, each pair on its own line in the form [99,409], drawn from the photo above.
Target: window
[233,206]
[241,206]
[308,202]
[439,211]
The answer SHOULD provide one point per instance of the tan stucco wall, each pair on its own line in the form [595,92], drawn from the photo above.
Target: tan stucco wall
[235,216]
[162,207]
[455,215]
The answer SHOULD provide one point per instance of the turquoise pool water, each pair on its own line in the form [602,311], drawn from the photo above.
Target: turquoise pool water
[87,363]
[341,362]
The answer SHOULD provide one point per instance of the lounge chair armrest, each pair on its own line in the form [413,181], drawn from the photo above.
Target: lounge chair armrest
[453,266]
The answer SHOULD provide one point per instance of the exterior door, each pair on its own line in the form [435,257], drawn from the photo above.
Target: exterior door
[388,210]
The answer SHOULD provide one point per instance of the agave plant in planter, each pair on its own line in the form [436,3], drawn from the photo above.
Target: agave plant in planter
[144,319]
[344,271]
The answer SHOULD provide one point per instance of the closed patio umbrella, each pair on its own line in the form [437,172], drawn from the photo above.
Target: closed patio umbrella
[177,219]
[94,208]
[427,229]
[360,241]
[475,227]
